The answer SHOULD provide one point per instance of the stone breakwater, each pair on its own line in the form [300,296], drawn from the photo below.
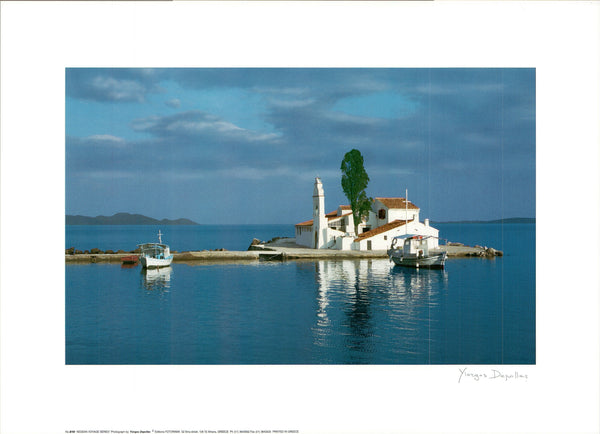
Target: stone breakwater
[281,249]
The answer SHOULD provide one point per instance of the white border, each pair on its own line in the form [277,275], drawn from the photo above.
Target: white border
[40,394]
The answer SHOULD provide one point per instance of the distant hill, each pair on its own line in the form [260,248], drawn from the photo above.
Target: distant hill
[508,220]
[123,218]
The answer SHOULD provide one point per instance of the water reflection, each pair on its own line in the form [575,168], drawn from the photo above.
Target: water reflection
[358,297]
[417,281]
[156,278]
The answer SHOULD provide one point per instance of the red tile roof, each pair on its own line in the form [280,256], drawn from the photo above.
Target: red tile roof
[381,229]
[396,203]
[330,216]
[338,216]
[342,207]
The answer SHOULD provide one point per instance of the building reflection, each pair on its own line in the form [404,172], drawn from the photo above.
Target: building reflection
[346,291]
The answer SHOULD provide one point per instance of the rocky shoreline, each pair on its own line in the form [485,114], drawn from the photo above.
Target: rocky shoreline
[276,249]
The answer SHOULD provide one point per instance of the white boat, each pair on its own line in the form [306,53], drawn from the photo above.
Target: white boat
[415,252]
[155,255]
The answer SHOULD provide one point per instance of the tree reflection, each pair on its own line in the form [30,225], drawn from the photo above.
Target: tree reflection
[357,300]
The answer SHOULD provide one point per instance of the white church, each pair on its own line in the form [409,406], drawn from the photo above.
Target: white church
[390,217]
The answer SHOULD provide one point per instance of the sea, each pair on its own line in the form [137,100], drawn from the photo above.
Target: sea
[299,312]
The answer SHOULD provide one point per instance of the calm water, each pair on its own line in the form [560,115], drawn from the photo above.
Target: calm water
[476,311]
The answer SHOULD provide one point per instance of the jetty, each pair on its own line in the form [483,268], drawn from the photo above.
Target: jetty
[281,249]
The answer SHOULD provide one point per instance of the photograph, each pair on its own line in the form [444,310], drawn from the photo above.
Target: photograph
[189,193]
[299,217]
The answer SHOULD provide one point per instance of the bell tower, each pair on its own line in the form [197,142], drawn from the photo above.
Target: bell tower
[319,220]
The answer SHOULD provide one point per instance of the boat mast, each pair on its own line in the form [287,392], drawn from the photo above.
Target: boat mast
[159,237]
[406,213]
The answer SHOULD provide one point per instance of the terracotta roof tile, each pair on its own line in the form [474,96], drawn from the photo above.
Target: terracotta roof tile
[381,229]
[396,203]
[338,216]
[330,216]
[343,208]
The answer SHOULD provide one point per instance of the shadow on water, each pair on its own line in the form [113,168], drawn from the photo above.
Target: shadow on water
[156,279]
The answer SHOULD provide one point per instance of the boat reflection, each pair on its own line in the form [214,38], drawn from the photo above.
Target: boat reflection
[417,280]
[156,278]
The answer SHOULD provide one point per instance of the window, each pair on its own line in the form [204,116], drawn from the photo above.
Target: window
[382,213]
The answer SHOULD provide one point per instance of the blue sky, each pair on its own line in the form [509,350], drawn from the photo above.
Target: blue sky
[238,146]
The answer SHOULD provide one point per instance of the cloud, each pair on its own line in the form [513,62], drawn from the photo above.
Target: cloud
[118,90]
[98,154]
[197,125]
[456,129]
[282,85]
[184,144]
[173,103]
[290,103]
[110,175]
[111,84]
[97,140]
[107,138]
[398,118]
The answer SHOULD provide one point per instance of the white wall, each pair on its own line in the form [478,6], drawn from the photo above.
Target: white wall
[390,214]
[325,238]
[305,237]
[344,243]
[400,214]
[384,240]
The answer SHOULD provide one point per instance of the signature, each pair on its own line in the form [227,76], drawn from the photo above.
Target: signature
[491,374]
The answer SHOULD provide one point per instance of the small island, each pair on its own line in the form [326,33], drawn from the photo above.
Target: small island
[279,249]
[123,218]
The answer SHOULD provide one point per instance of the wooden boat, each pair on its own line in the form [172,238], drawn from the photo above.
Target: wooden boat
[415,253]
[155,255]
[129,260]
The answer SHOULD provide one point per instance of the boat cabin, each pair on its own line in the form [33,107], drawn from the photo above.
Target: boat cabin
[414,245]
[155,250]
